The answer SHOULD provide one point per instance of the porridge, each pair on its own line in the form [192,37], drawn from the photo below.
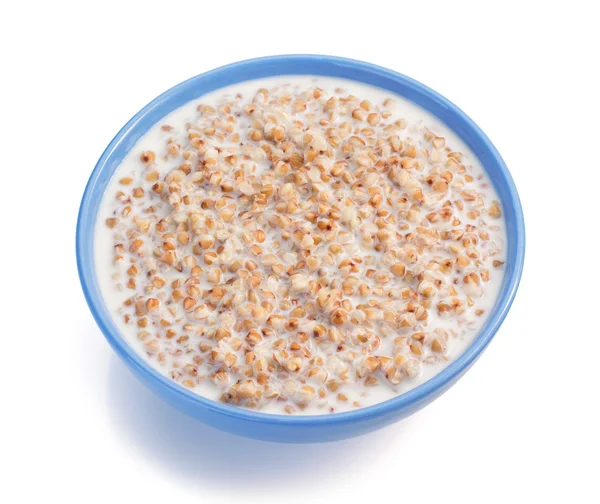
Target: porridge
[300,245]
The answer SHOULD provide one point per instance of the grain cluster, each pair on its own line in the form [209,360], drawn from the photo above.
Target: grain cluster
[300,247]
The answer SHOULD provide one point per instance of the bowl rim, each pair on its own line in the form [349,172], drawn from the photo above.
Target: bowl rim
[87,274]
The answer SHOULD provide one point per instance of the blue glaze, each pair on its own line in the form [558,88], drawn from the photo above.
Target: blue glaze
[282,428]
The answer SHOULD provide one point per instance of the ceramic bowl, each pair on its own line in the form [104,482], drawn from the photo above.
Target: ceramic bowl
[300,428]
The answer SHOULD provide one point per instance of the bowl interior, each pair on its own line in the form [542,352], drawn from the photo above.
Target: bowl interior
[366,73]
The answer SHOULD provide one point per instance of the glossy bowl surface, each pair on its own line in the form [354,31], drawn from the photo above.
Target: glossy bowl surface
[299,428]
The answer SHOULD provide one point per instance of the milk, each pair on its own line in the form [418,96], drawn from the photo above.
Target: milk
[114,293]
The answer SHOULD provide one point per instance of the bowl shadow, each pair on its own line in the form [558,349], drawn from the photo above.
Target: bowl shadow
[206,456]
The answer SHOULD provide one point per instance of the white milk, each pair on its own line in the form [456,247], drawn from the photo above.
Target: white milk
[114,294]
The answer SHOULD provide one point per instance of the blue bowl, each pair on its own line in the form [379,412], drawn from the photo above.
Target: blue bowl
[299,429]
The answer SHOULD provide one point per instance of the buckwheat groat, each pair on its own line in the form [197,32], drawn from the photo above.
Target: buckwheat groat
[300,245]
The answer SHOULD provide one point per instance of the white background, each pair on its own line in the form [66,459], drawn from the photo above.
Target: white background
[523,424]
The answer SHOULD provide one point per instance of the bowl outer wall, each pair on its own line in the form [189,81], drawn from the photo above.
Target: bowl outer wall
[300,428]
